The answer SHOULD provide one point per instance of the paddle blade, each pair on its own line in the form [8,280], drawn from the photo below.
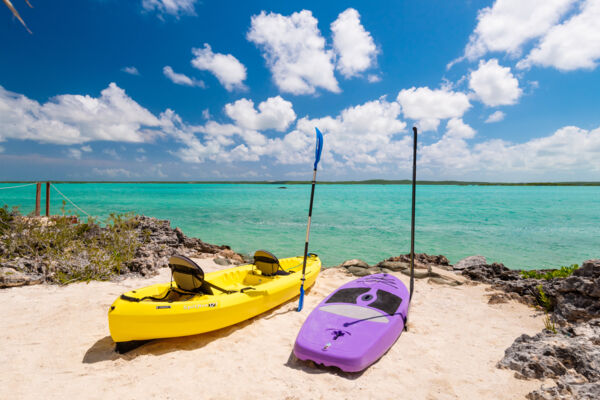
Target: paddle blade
[319,147]
[301,302]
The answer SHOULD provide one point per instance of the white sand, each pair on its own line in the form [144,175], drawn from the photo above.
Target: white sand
[56,344]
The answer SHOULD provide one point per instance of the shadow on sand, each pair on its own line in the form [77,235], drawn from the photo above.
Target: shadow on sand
[310,367]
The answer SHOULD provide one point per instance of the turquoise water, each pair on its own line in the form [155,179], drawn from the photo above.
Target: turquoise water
[522,227]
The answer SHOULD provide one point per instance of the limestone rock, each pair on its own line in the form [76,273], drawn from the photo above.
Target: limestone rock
[232,256]
[573,299]
[394,265]
[471,261]
[498,298]
[577,298]
[589,268]
[10,277]
[490,273]
[567,391]
[571,356]
[423,261]
[419,274]
[358,271]
[354,263]
[374,270]
[222,261]
[443,280]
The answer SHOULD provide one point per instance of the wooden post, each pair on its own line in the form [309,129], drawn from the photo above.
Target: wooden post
[38,195]
[47,199]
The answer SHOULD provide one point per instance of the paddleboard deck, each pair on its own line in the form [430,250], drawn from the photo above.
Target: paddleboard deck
[356,324]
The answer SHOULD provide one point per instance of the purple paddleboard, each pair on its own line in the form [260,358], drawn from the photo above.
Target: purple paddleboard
[356,324]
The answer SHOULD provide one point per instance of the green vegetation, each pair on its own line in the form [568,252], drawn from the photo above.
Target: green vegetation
[547,306]
[65,249]
[6,218]
[563,272]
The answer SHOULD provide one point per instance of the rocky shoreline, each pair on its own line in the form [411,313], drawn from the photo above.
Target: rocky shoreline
[156,242]
[570,355]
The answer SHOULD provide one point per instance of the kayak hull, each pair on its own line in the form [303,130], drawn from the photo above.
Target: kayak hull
[356,324]
[148,319]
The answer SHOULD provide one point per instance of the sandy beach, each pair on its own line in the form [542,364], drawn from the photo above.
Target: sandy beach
[56,344]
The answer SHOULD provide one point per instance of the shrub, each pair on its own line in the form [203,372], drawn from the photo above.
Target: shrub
[547,306]
[68,249]
[563,272]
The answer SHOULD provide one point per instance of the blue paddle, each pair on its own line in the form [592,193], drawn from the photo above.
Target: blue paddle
[312,196]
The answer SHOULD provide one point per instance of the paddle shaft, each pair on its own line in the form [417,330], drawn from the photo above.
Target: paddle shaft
[312,196]
[412,222]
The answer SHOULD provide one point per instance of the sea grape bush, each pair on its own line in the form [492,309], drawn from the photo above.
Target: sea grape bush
[562,272]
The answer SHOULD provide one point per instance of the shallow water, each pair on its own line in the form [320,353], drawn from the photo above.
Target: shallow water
[522,227]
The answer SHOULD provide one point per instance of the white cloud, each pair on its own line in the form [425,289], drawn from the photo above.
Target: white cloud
[113,172]
[74,153]
[157,171]
[570,152]
[112,153]
[77,153]
[494,85]
[568,148]
[295,51]
[368,137]
[130,70]
[429,106]
[372,78]
[2,149]
[73,119]
[509,24]
[451,152]
[274,113]
[229,71]
[496,116]
[181,79]
[457,129]
[172,7]
[574,44]
[362,134]
[353,44]
[212,146]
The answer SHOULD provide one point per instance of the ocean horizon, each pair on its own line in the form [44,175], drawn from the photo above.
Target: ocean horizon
[524,227]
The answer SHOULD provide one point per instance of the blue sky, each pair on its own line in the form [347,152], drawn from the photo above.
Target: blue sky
[501,90]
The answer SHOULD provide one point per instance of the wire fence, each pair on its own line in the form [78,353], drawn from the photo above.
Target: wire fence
[70,201]
[57,190]
[18,186]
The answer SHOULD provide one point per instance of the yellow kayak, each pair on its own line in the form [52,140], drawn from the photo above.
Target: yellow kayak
[194,303]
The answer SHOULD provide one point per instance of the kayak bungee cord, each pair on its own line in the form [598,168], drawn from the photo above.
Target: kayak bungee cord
[312,195]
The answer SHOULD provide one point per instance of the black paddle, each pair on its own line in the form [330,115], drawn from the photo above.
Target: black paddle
[412,223]
[412,226]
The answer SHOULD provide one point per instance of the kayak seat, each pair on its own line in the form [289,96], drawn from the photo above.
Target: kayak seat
[188,275]
[268,264]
